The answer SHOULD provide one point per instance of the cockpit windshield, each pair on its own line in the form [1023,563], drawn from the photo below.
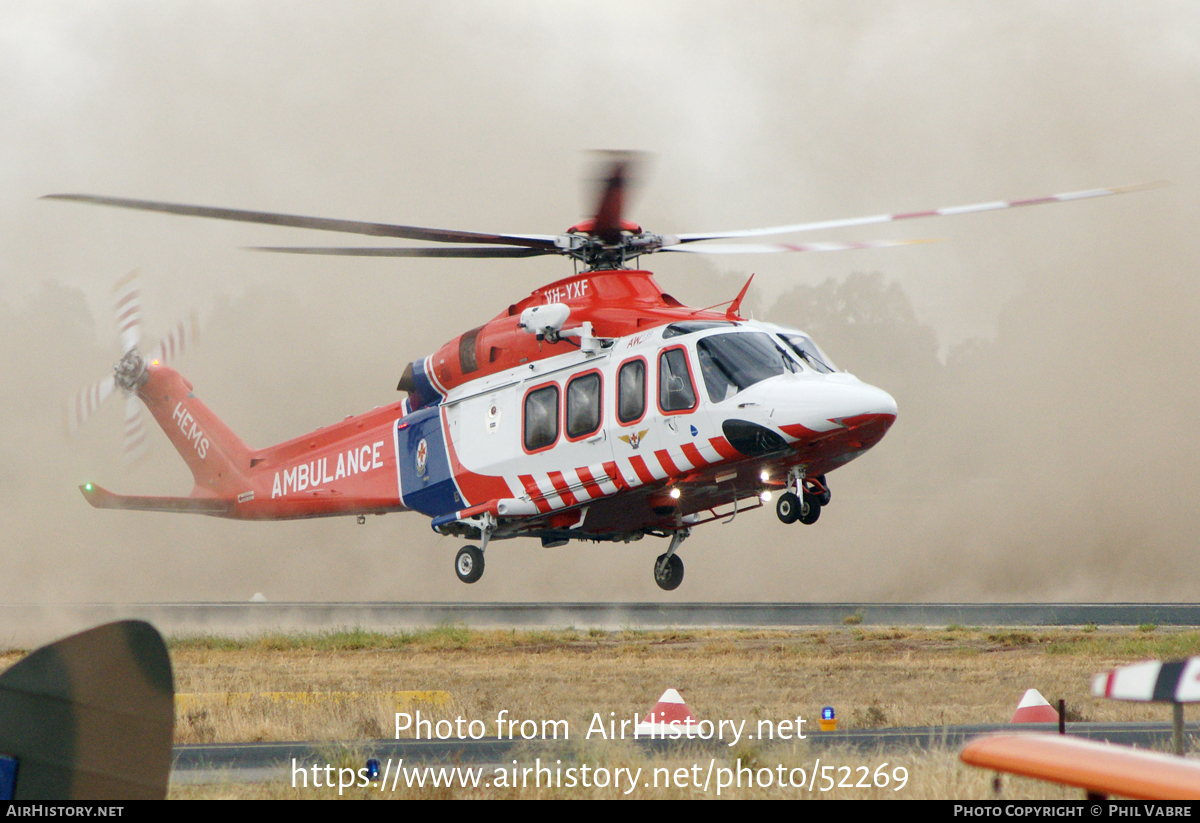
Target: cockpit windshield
[733,362]
[807,350]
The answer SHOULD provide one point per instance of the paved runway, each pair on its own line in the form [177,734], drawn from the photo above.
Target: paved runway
[55,620]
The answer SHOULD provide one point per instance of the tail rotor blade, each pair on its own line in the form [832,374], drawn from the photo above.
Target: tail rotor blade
[128,306]
[180,337]
[135,430]
[81,406]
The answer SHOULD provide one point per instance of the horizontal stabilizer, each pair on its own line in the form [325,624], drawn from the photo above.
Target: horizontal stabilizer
[104,499]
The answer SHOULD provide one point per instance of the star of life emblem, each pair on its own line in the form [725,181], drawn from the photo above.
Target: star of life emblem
[634,438]
[422,454]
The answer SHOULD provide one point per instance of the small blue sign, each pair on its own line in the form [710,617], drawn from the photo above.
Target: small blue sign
[8,777]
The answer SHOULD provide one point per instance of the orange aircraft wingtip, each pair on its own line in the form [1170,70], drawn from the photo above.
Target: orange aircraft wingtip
[1100,768]
[104,499]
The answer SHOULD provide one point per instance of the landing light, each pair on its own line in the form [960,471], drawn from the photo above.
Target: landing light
[764,477]
[765,497]
[674,494]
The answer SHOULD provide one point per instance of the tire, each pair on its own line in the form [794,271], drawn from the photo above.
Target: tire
[787,509]
[672,575]
[810,510]
[468,565]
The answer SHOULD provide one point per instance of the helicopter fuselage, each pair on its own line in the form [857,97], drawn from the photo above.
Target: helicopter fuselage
[652,419]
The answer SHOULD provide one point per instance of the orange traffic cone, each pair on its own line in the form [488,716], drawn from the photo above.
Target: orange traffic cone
[1033,708]
[669,719]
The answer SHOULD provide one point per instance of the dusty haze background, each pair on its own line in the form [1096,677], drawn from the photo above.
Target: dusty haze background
[1044,360]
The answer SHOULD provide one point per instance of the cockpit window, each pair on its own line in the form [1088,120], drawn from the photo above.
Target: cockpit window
[689,326]
[733,362]
[807,350]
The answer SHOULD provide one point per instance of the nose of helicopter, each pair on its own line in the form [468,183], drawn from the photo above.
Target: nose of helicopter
[876,401]
[864,411]
[839,406]
[855,403]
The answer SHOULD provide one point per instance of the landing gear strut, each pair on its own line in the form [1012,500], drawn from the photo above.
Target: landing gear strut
[668,568]
[469,564]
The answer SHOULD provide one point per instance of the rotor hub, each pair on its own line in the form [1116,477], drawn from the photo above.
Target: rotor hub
[130,372]
[598,254]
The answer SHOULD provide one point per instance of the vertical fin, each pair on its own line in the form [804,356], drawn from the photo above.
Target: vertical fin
[217,457]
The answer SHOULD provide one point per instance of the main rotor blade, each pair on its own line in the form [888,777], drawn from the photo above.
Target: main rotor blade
[451,251]
[318,223]
[610,198]
[767,248]
[945,212]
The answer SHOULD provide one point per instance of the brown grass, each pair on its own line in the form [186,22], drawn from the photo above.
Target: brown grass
[873,677]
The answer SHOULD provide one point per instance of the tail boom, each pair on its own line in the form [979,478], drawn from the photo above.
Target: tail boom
[345,469]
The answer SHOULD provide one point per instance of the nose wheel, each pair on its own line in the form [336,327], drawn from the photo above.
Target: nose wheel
[787,508]
[804,507]
[810,509]
[468,565]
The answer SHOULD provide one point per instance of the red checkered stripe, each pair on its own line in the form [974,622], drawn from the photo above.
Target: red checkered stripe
[561,489]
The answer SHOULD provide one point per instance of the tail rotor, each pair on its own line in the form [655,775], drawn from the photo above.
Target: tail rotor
[129,373]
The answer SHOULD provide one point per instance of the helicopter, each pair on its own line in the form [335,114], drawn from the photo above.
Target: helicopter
[597,408]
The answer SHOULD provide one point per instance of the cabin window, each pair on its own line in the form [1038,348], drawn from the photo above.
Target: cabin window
[675,389]
[541,418]
[583,406]
[732,362]
[631,391]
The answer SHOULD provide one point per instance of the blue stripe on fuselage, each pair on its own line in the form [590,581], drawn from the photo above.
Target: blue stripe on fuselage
[425,393]
[433,491]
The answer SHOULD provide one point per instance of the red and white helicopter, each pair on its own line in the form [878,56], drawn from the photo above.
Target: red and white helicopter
[597,408]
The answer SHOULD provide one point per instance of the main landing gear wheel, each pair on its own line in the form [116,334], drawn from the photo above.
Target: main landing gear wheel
[469,564]
[810,509]
[788,508]
[668,572]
